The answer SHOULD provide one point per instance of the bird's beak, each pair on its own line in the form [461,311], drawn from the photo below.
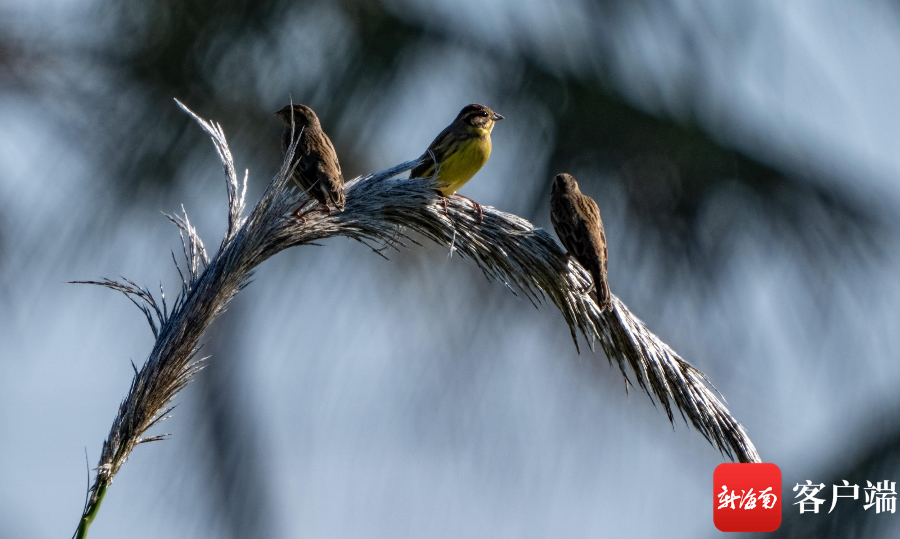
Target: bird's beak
[277,114]
[496,117]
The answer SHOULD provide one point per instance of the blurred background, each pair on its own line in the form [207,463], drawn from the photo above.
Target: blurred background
[744,158]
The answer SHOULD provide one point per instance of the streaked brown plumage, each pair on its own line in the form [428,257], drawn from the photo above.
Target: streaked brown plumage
[318,171]
[576,219]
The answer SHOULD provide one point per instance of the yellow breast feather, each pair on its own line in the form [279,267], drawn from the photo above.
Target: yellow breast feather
[460,165]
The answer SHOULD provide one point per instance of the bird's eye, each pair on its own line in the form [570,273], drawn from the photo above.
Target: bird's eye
[484,113]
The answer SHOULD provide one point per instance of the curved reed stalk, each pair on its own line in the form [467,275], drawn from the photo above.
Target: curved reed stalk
[380,209]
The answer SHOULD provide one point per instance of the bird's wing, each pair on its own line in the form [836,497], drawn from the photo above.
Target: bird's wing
[596,240]
[596,235]
[319,167]
[423,170]
[578,225]
[307,157]
[433,152]
[331,181]
[330,162]
[572,230]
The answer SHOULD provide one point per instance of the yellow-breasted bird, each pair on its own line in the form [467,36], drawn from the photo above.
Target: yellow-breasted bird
[462,148]
[318,171]
[576,219]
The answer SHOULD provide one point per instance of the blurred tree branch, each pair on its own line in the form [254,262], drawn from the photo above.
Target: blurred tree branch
[669,168]
[232,441]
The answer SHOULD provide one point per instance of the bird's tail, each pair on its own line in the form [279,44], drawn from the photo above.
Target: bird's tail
[339,199]
[604,298]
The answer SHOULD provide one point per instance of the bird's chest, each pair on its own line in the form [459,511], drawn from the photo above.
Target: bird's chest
[459,167]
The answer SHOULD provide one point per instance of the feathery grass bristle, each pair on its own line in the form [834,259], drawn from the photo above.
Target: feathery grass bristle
[381,210]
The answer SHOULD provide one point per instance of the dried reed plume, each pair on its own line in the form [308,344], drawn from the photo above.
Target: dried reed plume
[380,210]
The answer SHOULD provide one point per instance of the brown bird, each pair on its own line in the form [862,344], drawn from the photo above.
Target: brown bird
[576,219]
[317,171]
[461,149]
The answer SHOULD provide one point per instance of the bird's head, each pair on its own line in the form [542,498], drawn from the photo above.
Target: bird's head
[477,117]
[565,183]
[302,115]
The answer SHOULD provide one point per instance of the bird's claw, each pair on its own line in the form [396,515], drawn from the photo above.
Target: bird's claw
[299,217]
[443,200]
[477,207]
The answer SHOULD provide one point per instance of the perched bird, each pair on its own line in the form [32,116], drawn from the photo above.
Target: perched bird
[318,171]
[576,219]
[461,149]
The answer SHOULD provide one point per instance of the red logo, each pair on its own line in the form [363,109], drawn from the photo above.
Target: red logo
[747,497]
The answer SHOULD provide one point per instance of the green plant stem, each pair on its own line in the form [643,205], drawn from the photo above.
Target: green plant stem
[91,512]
